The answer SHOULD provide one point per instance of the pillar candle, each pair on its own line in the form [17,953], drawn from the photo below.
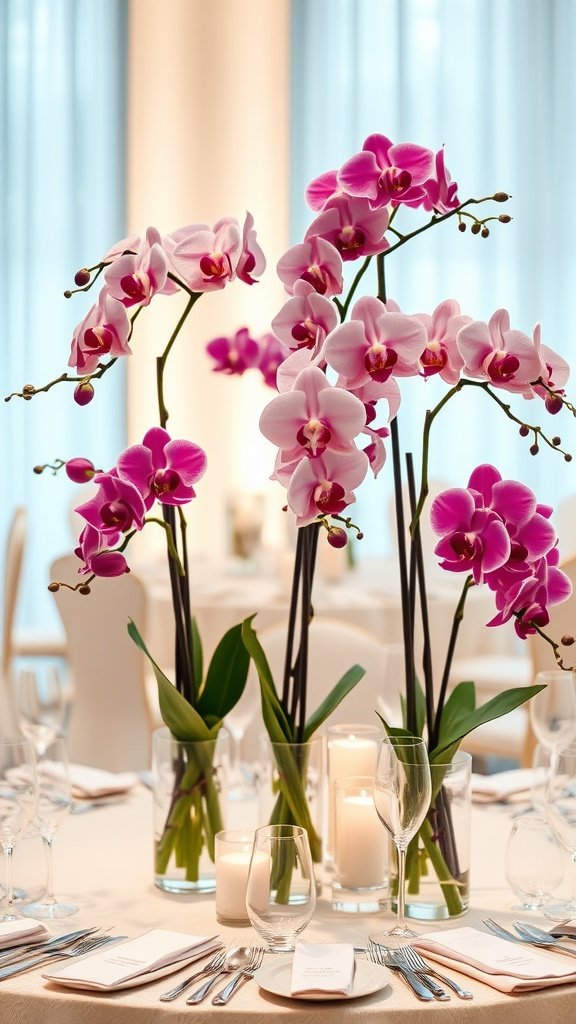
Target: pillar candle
[360,840]
[348,755]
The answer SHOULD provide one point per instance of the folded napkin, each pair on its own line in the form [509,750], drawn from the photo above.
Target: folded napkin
[91,782]
[114,966]
[18,933]
[506,966]
[503,785]
[326,967]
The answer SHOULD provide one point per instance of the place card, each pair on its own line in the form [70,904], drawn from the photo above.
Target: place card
[151,953]
[322,968]
[506,966]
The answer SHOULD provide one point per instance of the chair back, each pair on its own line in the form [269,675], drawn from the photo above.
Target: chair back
[110,721]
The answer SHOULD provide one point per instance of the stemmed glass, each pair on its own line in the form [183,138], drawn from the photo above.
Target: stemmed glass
[237,721]
[553,710]
[281,887]
[41,706]
[18,797]
[561,816]
[54,802]
[535,861]
[402,792]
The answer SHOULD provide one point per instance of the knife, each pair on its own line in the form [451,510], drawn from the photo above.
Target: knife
[12,954]
[414,982]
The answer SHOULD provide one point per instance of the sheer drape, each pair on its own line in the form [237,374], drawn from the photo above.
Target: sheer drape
[495,81]
[62,128]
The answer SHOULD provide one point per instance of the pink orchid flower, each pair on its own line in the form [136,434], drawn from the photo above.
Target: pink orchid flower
[375,451]
[272,354]
[321,189]
[325,485]
[473,540]
[527,596]
[387,173]
[306,319]
[440,190]
[554,372]
[441,355]
[163,469]
[234,355]
[117,506]
[375,344]
[505,358]
[105,330]
[135,279]
[130,244]
[351,226]
[252,261]
[312,418]
[94,549]
[315,261]
[205,258]
[531,533]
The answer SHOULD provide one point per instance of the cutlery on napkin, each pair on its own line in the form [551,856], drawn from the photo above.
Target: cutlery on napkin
[88,782]
[503,786]
[139,957]
[322,967]
[21,932]
[502,965]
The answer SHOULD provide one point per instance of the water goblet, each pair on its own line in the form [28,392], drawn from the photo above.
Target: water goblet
[561,816]
[281,888]
[41,705]
[402,791]
[54,802]
[535,861]
[553,710]
[18,798]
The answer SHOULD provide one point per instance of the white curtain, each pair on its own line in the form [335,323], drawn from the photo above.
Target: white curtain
[62,127]
[495,81]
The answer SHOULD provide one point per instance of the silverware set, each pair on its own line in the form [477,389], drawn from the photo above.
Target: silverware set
[527,932]
[244,960]
[57,949]
[420,977]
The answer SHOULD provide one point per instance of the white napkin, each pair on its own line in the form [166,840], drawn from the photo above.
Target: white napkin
[322,968]
[506,966]
[112,966]
[18,933]
[91,782]
[503,785]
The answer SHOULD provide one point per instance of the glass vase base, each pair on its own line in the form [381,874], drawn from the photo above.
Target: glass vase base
[180,886]
[417,910]
[366,900]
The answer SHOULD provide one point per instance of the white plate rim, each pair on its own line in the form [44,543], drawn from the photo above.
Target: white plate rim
[379,975]
[141,979]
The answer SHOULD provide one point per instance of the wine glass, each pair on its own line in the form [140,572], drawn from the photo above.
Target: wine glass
[41,705]
[402,792]
[241,783]
[553,710]
[535,861]
[18,797]
[281,888]
[561,815]
[54,802]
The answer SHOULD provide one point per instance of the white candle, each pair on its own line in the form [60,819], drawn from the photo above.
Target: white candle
[233,850]
[360,841]
[348,755]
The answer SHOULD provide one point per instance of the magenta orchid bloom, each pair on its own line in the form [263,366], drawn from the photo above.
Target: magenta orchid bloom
[312,418]
[531,533]
[473,540]
[505,358]
[94,549]
[315,261]
[105,330]
[325,485]
[375,451]
[321,189]
[272,354]
[206,259]
[135,279]
[80,470]
[375,344]
[234,355]
[117,506]
[554,372]
[386,173]
[306,319]
[528,595]
[440,189]
[163,469]
[252,262]
[351,226]
[441,355]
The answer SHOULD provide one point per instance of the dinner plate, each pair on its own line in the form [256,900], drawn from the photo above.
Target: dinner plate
[141,979]
[276,978]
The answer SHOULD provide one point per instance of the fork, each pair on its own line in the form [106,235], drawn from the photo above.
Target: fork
[381,955]
[420,965]
[78,949]
[503,933]
[541,938]
[211,967]
[248,972]
[14,953]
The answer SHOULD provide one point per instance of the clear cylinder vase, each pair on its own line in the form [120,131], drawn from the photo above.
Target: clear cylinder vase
[188,783]
[438,858]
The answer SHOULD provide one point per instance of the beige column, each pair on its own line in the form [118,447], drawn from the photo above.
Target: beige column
[208,136]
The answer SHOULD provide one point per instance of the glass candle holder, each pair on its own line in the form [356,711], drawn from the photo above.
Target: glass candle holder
[352,750]
[360,845]
[233,849]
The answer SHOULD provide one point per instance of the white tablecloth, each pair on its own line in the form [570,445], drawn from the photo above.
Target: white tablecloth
[103,861]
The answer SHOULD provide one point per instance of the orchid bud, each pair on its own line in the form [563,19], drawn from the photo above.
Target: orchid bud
[504,218]
[462,226]
[501,197]
[485,232]
[567,640]
[82,277]
[475,229]
[80,470]
[83,393]
[337,537]
[524,431]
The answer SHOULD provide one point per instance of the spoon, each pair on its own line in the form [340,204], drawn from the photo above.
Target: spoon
[235,960]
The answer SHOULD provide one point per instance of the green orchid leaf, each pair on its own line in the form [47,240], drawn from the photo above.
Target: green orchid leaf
[275,720]
[420,699]
[333,699]
[226,676]
[460,703]
[502,704]
[197,655]
[181,718]
[394,732]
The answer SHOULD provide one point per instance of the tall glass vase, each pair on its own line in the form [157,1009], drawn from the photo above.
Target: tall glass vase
[438,858]
[188,789]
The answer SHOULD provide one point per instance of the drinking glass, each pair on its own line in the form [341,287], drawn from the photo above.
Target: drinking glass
[561,816]
[553,710]
[402,792]
[54,802]
[281,888]
[241,784]
[18,796]
[41,705]
[535,861]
